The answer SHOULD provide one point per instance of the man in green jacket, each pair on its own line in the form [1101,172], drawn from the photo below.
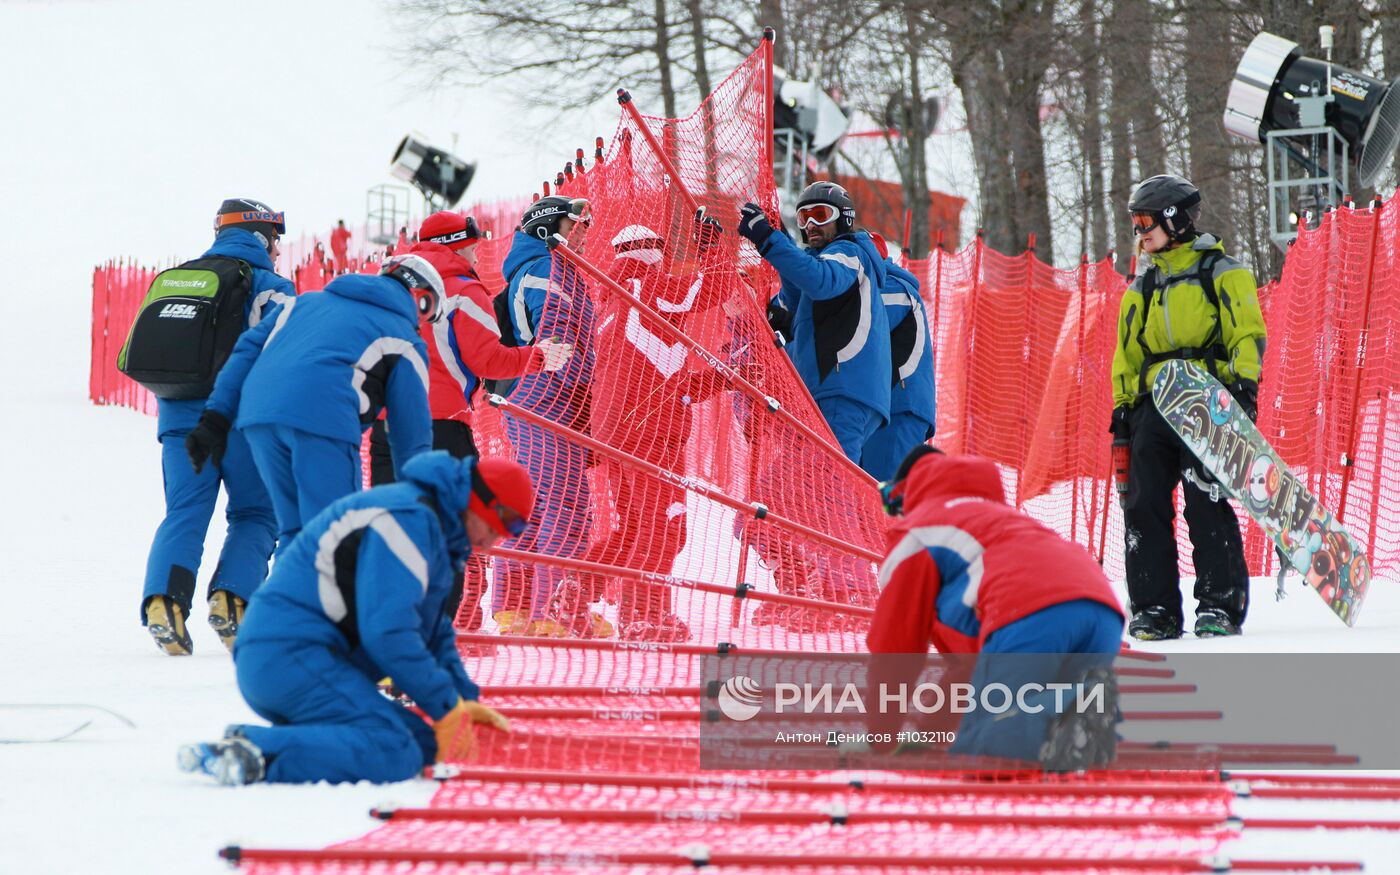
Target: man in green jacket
[1189,301]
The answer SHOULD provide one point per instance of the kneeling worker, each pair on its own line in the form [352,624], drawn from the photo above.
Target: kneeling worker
[358,597]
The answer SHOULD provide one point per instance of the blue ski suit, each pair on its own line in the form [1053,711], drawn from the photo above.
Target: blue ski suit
[308,380]
[178,546]
[548,301]
[913,403]
[840,333]
[356,598]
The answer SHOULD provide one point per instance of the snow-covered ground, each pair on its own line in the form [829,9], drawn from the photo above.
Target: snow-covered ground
[82,495]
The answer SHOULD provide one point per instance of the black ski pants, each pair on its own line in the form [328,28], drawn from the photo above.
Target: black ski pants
[1159,460]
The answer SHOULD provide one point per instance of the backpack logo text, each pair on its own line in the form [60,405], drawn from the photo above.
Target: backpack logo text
[178,311]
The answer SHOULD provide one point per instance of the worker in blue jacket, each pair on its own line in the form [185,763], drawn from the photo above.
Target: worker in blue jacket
[247,230]
[305,384]
[913,403]
[359,597]
[546,298]
[840,334]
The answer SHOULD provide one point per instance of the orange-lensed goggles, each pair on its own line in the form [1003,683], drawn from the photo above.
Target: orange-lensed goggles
[816,214]
[1144,223]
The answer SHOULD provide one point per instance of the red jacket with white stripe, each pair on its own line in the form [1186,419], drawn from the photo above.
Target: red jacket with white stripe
[465,346]
[963,563]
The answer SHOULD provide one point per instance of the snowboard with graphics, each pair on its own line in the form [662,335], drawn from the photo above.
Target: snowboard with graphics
[1232,450]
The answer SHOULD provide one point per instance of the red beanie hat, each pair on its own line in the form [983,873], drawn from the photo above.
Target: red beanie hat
[880,245]
[503,482]
[453,230]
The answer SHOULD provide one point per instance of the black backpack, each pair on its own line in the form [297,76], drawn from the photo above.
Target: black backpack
[186,327]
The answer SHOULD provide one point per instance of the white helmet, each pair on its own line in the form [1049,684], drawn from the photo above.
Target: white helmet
[422,281]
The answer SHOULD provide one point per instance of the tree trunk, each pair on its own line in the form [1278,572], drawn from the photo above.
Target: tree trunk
[1210,65]
[1388,17]
[1091,75]
[914,167]
[985,99]
[770,14]
[663,59]
[1025,57]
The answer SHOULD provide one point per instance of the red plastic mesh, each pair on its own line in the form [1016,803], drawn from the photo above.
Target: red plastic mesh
[680,426]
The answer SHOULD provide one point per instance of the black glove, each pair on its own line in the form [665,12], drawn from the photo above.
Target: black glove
[1246,392]
[707,231]
[1119,426]
[208,440]
[753,224]
[780,319]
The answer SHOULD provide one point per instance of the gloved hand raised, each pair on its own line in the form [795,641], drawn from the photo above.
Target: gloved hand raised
[556,353]
[456,735]
[707,230]
[753,224]
[208,439]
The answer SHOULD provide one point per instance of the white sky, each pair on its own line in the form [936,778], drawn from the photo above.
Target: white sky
[126,122]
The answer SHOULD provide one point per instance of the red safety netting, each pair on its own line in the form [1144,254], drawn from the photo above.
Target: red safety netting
[692,499]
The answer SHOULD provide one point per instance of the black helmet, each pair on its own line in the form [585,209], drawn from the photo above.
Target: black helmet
[1172,201]
[833,195]
[541,218]
[251,215]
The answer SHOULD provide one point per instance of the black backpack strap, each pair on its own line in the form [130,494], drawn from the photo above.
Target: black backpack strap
[1211,351]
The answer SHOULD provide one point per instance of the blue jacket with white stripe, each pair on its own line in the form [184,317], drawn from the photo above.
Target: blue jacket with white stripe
[328,361]
[269,290]
[911,348]
[367,579]
[840,333]
[529,270]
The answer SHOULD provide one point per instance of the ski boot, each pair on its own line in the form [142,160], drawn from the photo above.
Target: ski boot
[232,762]
[1154,624]
[225,615]
[1081,740]
[1215,623]
[165,620]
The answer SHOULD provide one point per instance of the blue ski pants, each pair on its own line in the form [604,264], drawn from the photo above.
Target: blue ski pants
[178,547]
[1057,644]
[852,422]
[329,721]
[304,473]
[891,442]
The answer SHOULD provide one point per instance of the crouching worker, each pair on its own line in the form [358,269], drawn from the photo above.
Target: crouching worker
[968,573]
[359,597]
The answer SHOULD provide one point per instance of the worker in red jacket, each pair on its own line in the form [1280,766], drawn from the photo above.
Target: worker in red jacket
[968,573]
[340,247]
[645,388]
[464,347]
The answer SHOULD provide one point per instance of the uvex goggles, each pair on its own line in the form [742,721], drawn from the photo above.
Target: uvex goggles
[278,219]
[1145,223]
[579,210]
[816,214]
[499,517]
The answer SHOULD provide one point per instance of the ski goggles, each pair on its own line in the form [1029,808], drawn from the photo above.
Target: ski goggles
[892,496]
[816,214]
[504,520]
[469,231]
[277,220]
[1145,223]
[580,211]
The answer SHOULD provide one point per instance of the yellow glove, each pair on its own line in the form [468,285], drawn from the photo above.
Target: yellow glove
[480,713]
[456,737]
